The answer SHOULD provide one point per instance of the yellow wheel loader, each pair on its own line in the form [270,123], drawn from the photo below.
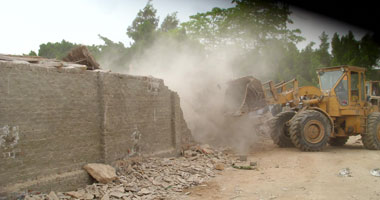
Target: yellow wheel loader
[310,117]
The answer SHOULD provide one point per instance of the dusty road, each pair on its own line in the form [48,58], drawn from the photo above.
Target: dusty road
[291,174]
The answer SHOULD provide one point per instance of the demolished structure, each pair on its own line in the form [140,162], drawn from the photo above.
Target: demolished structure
[56,116]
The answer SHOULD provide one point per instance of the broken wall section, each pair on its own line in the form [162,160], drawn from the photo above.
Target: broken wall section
[151,122]
[55,118]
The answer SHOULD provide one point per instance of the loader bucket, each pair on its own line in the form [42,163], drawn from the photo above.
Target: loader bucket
[244,95]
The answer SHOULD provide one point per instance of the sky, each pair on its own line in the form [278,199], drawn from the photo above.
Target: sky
[26,24]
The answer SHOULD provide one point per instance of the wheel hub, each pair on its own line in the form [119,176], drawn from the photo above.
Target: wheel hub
[314,131]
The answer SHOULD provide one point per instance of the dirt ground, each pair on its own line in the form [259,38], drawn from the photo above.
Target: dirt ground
[287,173]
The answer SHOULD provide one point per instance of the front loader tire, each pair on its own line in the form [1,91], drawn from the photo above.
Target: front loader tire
[310,130]
[279,130]
[338,141]
[371,139]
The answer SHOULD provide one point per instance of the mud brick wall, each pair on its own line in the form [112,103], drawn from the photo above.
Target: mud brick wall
[141,123]
[55,120]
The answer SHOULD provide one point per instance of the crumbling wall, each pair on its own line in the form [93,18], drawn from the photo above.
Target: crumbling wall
[139,124]
[53,120]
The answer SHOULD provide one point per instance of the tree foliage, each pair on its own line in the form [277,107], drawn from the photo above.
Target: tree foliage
[32,53]
[251,23]
[207,27]
[170,22]
[56,50]
[323,53]
[111,55]
[144,25]
[254,33]
[346,50]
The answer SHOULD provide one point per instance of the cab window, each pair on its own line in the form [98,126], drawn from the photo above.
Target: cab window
[341,91]
[354,86]
[376,89]
[328,79]
[367,88]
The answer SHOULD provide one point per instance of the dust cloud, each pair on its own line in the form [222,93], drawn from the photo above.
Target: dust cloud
[200,79]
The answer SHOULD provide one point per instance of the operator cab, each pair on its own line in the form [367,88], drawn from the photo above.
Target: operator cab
[373,88]
[373,92]
[346,82]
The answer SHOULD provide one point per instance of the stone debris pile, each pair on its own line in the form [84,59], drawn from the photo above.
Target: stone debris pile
[140,178]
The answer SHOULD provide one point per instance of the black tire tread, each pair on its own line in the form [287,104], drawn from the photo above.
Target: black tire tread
[369,139]
[277,136]
[296,127]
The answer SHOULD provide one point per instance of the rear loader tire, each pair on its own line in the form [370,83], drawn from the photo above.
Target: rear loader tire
[371,139]
[279,130]
[338,141]
[310,130]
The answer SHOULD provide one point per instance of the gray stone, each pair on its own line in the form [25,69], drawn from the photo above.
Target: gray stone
[101,172]
[53,196]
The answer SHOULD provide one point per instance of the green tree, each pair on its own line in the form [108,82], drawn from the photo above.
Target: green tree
[346,50]
[256,30]
[207,27]
[251,23]
[170,22]
[144,25]
[288,64]
[307,63]
[111,55]
[323,53]
[32,53]
[337,49]
[56,50]
[303,64]
[369,52]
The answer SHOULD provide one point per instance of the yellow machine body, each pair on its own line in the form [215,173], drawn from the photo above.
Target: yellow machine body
[341,97]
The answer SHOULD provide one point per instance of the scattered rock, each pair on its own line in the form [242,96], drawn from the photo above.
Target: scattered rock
[234,165]
[152,178]
[219,166]
[345,172]
[273,197]
[105,197]
[243,158]
[375,172]
[131,189]
[101,172]
[206,149]
[118,194]
[189,153]
[75,194]
[88,196]
[53,196]
[144,191]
